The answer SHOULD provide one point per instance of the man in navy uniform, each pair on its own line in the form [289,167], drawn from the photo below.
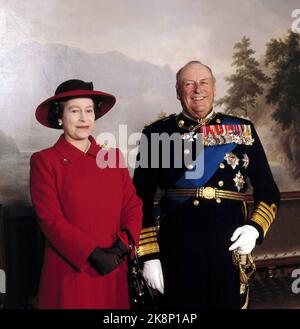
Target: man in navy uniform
[187,253]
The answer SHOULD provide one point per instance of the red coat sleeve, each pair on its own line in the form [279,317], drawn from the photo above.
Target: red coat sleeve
[131,214]
[69,241]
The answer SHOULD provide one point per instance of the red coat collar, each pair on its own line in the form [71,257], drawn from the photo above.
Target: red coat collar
[72,153]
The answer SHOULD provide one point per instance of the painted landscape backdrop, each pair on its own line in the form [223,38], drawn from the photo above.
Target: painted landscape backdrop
[133,49]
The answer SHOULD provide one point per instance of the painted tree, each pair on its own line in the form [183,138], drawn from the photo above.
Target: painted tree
[247,81]
[283,57]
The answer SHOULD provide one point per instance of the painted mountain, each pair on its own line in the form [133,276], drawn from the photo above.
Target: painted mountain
[30,73]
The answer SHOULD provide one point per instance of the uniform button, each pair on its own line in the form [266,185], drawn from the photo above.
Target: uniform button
[218,121]
[190,166]
[221,165]
[187,151]
[196,203]
[221,183]
[65,161]
[180,123]
[218,200]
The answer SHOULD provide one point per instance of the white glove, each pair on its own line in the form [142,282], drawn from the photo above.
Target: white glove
[152,273]
[246,241]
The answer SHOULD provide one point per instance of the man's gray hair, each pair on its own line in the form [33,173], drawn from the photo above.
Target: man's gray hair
[189,63]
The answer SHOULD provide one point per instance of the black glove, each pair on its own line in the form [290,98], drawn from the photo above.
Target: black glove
[107,259]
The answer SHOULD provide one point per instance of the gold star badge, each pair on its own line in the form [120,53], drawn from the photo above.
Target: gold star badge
[239,181]
[232,159]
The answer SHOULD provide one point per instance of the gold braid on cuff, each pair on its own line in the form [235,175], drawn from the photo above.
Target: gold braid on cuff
[148,241]
[264,215]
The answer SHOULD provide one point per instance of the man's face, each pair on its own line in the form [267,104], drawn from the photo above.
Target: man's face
[196,90]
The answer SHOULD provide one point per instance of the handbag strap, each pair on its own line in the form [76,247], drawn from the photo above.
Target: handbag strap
[132,249]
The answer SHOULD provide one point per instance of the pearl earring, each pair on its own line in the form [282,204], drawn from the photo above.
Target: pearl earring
[59,123]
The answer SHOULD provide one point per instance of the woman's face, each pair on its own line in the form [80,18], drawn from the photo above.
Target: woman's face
[78,118]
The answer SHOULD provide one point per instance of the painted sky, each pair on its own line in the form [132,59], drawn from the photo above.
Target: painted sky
[159,31]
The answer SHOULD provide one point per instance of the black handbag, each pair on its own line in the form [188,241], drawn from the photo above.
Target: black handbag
[140,294]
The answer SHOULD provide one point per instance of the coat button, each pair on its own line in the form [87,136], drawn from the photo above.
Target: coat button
[196,203]
[190,166]
[65,161]
[218,200]
[221,165]
[221,183]
[187,151]
[218,121]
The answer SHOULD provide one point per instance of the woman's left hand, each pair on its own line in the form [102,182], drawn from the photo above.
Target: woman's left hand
[106,260]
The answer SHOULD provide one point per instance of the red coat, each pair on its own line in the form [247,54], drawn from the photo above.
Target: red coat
[80,207]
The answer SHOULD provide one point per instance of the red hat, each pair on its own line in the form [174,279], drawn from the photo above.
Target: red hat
[74,89]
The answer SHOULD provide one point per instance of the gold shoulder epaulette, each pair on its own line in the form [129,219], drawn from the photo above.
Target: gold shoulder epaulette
[237,116]
[165,117]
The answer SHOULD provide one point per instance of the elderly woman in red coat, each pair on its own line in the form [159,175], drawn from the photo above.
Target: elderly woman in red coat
[82,209]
